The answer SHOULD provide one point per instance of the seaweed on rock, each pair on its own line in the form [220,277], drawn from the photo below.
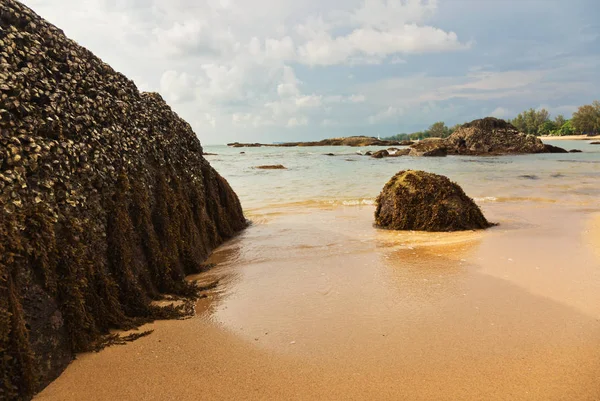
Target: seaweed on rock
[421,201]
[106,203]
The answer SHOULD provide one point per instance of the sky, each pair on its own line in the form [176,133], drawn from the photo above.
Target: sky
[285,70]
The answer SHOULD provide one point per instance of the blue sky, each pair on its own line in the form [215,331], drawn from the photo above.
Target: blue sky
[282,70]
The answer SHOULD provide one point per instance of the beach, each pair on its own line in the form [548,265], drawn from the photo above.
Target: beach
[570,138]
[313,302]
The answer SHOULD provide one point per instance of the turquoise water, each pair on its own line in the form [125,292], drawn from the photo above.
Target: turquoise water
[314,179]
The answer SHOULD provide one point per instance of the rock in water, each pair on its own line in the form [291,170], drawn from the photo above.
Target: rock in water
[272,167]
[380,154]
[105,199]
[554,149]
[487,136]
[421,201]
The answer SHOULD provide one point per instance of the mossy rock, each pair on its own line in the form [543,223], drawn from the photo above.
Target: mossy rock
[421,201]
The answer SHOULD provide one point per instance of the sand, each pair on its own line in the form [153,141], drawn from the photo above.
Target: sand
[320,305]
[569,137]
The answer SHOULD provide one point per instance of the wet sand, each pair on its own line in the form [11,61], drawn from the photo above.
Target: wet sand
[317,304]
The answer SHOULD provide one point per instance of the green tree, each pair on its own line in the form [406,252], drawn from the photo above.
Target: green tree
[567,128]
[439,130]
[547,128]
[530,121]
[586,119]
[559,120]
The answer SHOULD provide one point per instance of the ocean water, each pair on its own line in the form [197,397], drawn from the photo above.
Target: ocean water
[313,179]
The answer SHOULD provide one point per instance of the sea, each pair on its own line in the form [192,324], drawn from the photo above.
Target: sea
[312,179]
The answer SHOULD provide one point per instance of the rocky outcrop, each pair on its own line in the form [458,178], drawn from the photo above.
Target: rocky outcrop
[271,167]
[245,145]
[595,143]
[106,202]
[433,147]
[400,152]
[380,154]
[421,201]
[554,149]
[488,136]
[356,141]
[575,151]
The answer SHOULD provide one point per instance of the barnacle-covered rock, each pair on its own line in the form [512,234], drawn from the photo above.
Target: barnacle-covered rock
[421,201]
[105,201]
[486,136]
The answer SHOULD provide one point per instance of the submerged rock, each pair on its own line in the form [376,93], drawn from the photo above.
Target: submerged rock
[575,151]
[421,201]
[595,143]
[105,202]
[272,167]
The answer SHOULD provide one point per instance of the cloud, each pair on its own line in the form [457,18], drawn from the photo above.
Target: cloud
[237,69]
[177,87]
[386,115]
[377,29]
[308,101]
[500,112]
[297,121]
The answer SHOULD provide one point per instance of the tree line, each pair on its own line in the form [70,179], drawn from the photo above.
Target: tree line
[585,121]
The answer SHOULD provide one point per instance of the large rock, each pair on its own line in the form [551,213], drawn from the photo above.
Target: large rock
[433,147]
[487,136]
[106,202]
[421,201]
[554,149]
[380,154]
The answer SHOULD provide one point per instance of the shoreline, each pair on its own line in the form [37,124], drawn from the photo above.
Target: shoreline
[341,310]
[570,138]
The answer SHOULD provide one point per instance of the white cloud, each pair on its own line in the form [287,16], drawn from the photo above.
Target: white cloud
[500,112]
[386,115]
[297,121]
[177,87]
[357,98]
[236,67]
[308,101]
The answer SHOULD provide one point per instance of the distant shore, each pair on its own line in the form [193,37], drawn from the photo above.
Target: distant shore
[569,138]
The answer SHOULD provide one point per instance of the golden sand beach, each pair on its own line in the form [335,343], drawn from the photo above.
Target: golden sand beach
[341,310]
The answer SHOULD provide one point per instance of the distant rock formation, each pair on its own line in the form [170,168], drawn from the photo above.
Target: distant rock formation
[245,145]
[421,201]
[380,154]
[106,202]
[487,136]
[554,149]
[272,167]
[355,141]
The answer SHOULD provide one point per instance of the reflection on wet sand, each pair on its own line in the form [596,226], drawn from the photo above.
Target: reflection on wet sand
[324,306]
